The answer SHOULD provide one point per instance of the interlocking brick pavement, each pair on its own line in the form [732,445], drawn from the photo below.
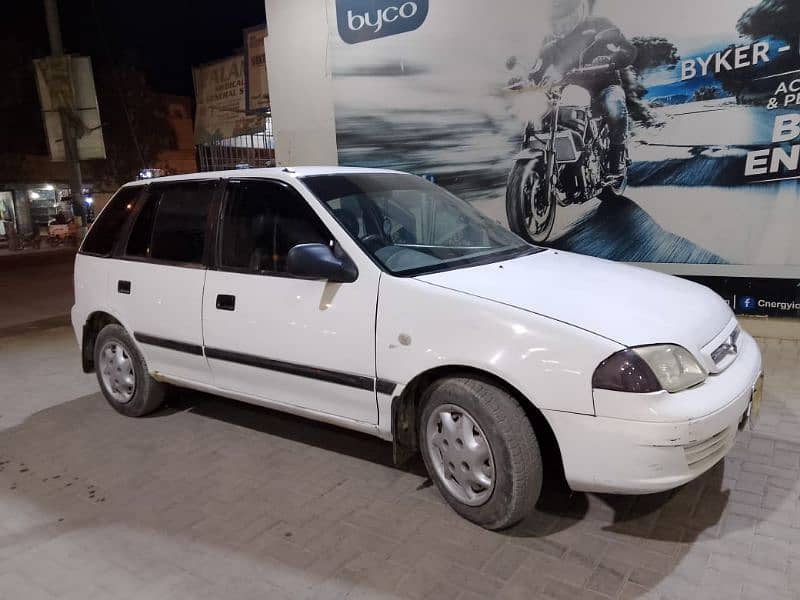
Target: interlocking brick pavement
[210,498]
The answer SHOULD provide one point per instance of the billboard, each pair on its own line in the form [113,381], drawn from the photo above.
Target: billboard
[700,99]
[219,93]
[256,81]
[66,85]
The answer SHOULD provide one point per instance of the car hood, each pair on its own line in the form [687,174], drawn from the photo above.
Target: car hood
[629,305]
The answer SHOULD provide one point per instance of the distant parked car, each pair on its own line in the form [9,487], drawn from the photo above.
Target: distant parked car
[376,301]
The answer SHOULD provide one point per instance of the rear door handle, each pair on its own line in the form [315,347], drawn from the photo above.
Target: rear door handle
[226,302]
[123,287]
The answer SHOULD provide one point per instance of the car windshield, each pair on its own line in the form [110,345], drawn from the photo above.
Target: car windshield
[410,226]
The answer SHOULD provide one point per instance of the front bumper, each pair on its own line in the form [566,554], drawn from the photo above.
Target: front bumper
[673,439]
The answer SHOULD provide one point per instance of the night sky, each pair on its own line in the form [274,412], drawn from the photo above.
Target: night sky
[162,37]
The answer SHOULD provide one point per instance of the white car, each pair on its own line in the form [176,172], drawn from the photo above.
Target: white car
[377,301]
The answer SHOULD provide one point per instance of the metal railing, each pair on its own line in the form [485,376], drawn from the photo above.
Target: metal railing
[253,150]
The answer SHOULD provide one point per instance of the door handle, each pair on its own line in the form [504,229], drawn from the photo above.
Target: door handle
[226,302]
[123,287]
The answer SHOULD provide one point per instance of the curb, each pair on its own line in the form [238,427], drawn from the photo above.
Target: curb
[32,258]
[33,326]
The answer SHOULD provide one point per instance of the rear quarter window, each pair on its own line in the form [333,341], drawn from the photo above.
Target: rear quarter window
[109,224]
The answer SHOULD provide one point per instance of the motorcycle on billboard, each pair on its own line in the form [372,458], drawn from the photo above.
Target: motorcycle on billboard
[566,161]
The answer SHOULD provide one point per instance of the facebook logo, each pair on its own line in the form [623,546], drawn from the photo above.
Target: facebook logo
[747,303]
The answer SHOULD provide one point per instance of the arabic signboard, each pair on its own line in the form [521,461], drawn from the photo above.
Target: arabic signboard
[219,92]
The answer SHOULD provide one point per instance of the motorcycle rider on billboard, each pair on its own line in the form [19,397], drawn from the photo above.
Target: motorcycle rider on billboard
[574,36]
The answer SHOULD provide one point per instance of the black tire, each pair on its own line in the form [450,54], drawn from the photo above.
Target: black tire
[512,442]
[516,201]
[148,394]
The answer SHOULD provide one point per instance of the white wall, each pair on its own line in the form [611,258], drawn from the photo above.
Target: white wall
[300,82]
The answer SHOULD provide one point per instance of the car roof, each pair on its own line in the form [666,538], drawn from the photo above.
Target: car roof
[283,173]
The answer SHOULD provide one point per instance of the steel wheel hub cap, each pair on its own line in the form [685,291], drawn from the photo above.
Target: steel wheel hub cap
[460,454]
[116,371]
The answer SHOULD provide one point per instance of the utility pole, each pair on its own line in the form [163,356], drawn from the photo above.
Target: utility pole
[67,131]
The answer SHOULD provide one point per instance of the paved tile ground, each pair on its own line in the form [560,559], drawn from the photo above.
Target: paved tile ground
[210,498]
[35,285]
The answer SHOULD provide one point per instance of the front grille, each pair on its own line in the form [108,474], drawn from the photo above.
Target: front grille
[728,349]
[701,455]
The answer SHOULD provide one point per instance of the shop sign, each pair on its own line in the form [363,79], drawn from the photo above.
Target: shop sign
[221,111]
[256,82]
[66,85]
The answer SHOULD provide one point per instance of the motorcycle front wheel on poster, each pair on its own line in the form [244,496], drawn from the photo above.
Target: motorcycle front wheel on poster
[530,209]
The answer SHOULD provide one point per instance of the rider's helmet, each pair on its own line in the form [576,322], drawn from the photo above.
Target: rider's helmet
[566,15]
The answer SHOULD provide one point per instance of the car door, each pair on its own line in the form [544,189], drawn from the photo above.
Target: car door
[156,283]
[272,336]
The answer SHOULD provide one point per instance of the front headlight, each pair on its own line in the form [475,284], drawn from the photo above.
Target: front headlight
[649,369]
[674,367]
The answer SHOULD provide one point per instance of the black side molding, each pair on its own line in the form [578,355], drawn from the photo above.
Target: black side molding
[152,340]
[348,379]
[384,386]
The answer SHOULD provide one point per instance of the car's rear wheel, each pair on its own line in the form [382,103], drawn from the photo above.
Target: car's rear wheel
[122,374]
[481,451]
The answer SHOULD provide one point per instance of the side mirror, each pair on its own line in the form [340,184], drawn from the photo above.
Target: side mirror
[317,261]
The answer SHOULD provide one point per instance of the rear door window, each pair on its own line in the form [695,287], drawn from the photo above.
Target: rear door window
[109,225]
[173,224]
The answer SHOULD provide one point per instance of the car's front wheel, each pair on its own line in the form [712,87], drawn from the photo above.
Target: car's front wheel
[481,451]
[123,375]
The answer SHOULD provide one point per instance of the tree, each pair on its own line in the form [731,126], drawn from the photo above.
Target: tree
[736,81]
[653,52]
[135,122]
[20,112]
[777,18]
[707,92]
[770,18]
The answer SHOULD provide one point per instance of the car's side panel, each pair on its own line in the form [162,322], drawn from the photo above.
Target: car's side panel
[162,310]
[423,326]
[297,342]
[293,341]
[91,290]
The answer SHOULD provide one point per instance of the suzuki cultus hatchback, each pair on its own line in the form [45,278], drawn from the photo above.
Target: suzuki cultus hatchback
[376,301]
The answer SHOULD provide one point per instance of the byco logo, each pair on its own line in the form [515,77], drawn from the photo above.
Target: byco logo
[364,20]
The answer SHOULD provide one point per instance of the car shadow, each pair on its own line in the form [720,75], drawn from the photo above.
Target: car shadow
[286,426]
[558,507]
